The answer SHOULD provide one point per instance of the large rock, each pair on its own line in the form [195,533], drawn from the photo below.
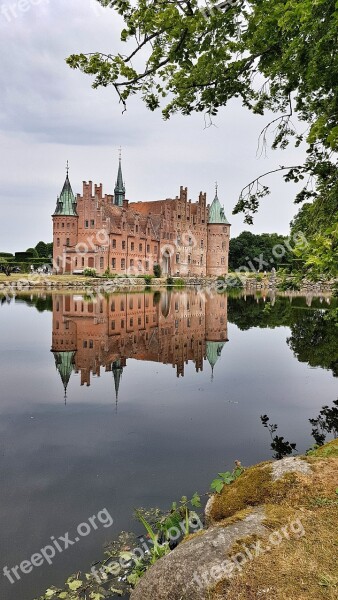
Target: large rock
[197,565]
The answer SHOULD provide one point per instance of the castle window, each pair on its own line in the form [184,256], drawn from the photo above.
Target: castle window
[113,243]
[112,306]
[147,265]
[177,258]
[224,229]
[122,323]
[123,245]
[76,262]
[113,324]
[86,224]
[123,263]
[223,245]
[155,249]
[131,303]
[139,321]
[136,228]
[58,242]
[132,245]
[68,225]
[131,322]
[83,262]
[91,344]
[140,247]
[92,223]
[67,242]
[101,262]
[85,344]
[139,265]
[189,259]
[222,260]
[113,263]
[147,321]
[202,243]
[63,225]
[122,305]
[131,262]
[148,249]
[139,303]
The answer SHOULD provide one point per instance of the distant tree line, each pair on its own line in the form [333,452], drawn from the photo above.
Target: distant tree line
[259,252]
[41,254]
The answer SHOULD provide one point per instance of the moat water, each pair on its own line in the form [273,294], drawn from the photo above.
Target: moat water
[137,399]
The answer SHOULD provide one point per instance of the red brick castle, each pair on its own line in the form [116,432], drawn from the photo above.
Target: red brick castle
[110,234]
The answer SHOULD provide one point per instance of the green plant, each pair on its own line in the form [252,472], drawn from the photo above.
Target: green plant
[147,279]
[89,272]
[226,478]
[157,270]
[170,281]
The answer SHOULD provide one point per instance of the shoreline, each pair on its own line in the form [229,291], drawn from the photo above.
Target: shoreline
[49,283]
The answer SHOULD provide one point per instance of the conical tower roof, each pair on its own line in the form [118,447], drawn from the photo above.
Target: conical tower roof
[64,362]
[66,202]
[216,212]
[213,351]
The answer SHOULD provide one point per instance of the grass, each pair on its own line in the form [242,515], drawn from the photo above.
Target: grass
[303,568]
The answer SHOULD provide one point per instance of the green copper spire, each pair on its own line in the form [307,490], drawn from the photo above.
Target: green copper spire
[117,372]
[214,350]
[64,362]
[216,211]
[66,202]
[120,190]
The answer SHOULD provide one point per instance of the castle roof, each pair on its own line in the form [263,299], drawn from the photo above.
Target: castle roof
[66,202]
[213,351]
[64,362]
[216,212]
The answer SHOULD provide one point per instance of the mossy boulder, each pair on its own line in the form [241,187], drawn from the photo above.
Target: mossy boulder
[288,510]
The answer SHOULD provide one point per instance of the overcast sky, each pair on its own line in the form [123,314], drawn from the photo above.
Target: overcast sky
[49,113]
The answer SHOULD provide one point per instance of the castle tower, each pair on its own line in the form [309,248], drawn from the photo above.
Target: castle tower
[64,338]
[120,190]
[216,327]
[218,239]
[65,226]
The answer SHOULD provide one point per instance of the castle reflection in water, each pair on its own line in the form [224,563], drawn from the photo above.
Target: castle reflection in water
[167,327]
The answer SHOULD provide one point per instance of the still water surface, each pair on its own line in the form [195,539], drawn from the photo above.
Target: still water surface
[136,399]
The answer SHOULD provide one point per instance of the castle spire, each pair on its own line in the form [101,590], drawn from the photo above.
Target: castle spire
[66,202]
[120,190]
[64,362]
[216,211]
[117,372]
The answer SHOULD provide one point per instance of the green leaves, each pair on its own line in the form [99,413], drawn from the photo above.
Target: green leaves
[75,584]
[226,478]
